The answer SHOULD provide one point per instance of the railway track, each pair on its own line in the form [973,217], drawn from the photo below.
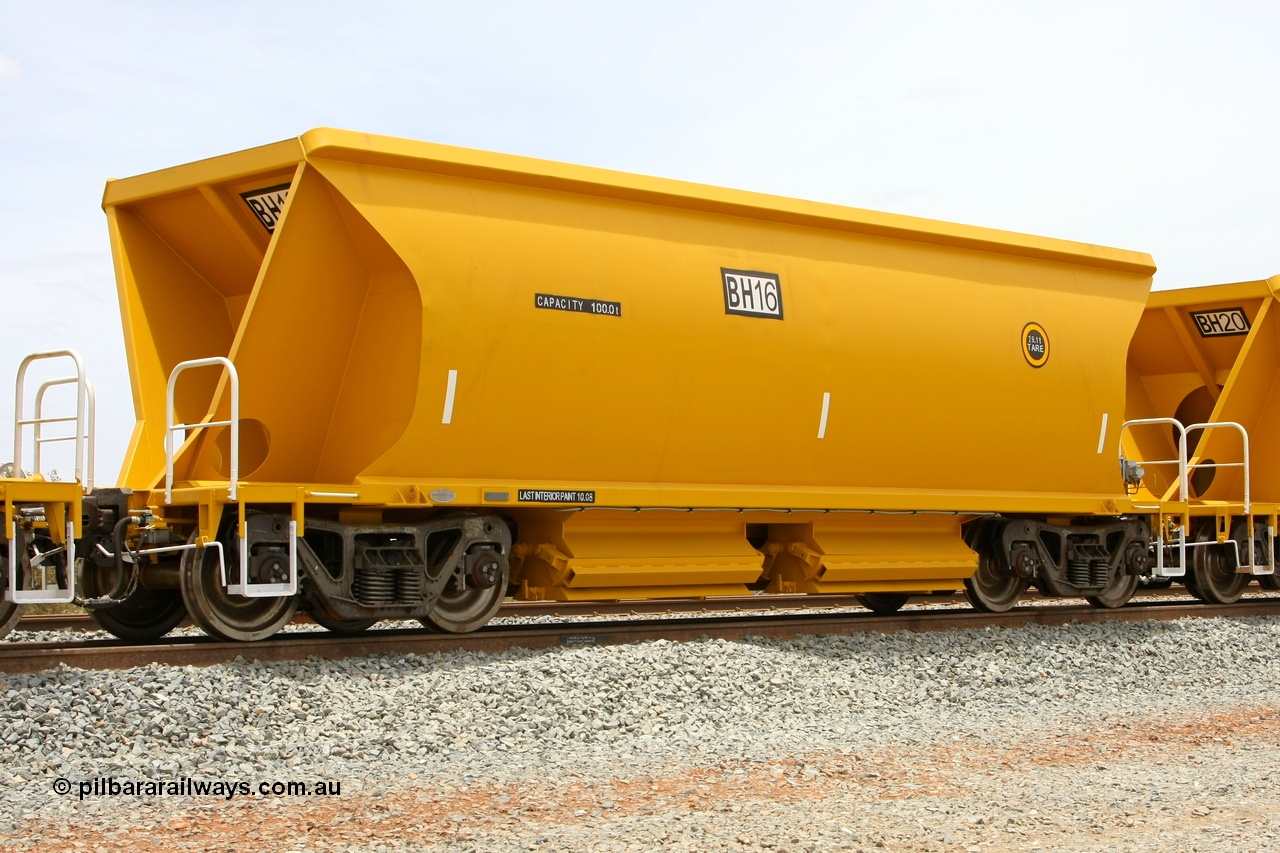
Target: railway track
[80,621]
[636,607]
[203,651]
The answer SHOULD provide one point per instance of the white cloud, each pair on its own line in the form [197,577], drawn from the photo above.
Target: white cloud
[8,68]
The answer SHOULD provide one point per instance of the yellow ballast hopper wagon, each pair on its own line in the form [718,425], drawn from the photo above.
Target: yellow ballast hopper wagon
[395,379]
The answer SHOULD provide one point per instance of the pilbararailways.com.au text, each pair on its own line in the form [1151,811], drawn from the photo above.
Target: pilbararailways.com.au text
[227,789]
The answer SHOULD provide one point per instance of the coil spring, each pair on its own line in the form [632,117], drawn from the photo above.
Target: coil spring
[409,585]
[374,586]
[1098,572]
[1078,573]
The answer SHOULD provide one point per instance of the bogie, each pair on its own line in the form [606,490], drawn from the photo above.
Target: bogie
[1100,560]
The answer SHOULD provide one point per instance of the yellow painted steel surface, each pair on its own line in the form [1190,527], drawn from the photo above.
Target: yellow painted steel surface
[627,555]
[859,553]
[60,501]
[396,265]
[416,325]
[1209,354]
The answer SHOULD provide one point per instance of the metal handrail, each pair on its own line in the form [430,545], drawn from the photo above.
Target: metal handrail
[233,423]
[1185,468]
[40,420]
[1248,511]
[84,418]
[1181,461]
[1244,438]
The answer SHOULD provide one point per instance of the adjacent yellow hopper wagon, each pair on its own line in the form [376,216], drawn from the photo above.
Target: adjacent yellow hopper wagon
[1203,368]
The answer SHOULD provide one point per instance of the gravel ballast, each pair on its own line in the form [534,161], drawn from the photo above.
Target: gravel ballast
[1115,736]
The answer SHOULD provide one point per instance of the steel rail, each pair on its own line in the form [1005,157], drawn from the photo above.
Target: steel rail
[83,622]
[629,607]
[295,646]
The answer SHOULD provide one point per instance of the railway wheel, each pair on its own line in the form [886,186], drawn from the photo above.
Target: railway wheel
[340,626]
[883,602]
[1116,593]
[10,612]
[1213,577]
[221,614]
[147,614]
[992,590]
[1189,581]
[473,596]
[1269,581]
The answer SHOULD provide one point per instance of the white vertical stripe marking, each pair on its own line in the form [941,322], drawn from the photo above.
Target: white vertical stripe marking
[448,397]
[826,407]
[1102,433]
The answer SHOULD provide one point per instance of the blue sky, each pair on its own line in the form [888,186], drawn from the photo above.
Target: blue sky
[1143,125]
